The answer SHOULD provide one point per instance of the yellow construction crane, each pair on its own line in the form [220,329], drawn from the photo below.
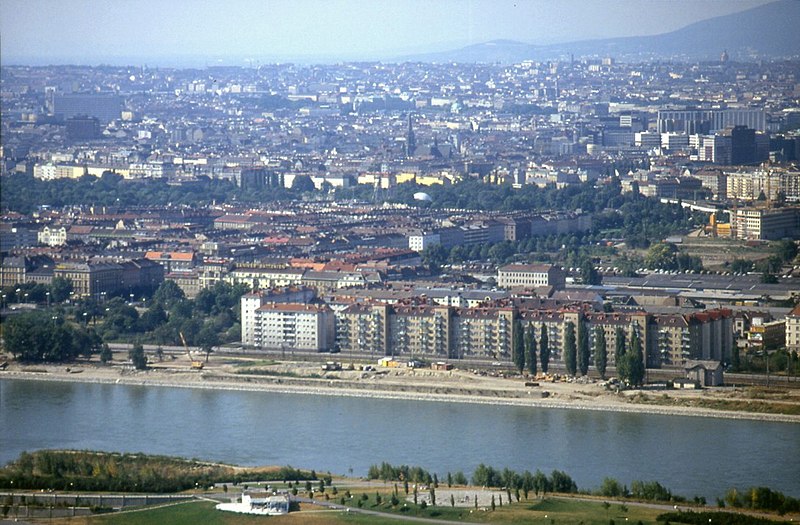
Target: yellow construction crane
[196,365]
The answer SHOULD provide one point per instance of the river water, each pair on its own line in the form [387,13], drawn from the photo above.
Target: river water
[344,435]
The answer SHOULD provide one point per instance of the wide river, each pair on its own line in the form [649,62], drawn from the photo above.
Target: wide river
[344,435]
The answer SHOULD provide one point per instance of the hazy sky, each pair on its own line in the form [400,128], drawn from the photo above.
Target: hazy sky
[117,31]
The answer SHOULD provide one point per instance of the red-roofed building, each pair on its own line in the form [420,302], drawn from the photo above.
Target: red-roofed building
[173,261]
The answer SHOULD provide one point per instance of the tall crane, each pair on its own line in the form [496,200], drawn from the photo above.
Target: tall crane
[196,365]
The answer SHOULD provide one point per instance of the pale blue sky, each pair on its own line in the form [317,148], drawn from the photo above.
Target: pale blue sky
[231,31]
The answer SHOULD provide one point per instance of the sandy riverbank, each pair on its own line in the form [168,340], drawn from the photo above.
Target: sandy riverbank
[455,386]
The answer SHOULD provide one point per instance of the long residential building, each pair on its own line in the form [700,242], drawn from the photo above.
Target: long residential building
[530,275]
[412,330]
[754,223]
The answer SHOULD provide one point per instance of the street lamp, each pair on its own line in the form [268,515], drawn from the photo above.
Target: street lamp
[48,298]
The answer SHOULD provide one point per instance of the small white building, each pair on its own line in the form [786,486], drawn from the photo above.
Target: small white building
[274,505]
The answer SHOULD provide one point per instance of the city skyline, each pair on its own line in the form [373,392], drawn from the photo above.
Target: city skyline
[244,32]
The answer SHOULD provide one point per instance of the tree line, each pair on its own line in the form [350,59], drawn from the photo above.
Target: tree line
[539,484]
[577,356]
[61,334]
[104,471]
[40,336]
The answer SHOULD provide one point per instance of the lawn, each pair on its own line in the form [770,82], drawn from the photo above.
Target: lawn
[199,512]
[549,511]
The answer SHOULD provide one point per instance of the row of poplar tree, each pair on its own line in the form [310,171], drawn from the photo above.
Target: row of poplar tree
[528,353]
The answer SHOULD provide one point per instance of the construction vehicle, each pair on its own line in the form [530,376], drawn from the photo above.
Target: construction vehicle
[196,365]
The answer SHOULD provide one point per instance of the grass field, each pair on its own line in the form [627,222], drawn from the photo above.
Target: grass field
[547,511]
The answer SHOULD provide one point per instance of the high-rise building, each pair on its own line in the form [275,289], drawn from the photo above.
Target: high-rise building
[104,107]
[743,145]
[706,121]
[715,148]
[82,128]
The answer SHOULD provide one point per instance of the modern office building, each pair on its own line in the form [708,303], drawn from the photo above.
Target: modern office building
[755,223]
[104,107]
[705,121]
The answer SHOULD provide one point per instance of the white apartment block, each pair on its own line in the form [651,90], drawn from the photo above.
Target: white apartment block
[512,275]
[419,241]
[765,223]
[294,326]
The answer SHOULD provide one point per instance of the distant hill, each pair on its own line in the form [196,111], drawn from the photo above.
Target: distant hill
[770,30]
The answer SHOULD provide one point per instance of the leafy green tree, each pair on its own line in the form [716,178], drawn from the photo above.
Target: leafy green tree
[741,266]
[526,483]
[771,264]
[541,485]
[519,346]
[634,367]
[137,357]
[60,289]
[570,358]
[684,261]
[530,349]
[459,478]
[168,293]
[611,488]
[544,349]
[562,482]
[661,256]
[434,257]
[38,336]
[600,351]
[208,338]
[303,183]
[501,251]
[105,354]
[152,318]
[650,491]
[619,345]
[589,275]
[786,250]
[768,278]
[584,356]
[486,476]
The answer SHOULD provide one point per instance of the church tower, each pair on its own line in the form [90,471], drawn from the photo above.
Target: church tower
[411,140]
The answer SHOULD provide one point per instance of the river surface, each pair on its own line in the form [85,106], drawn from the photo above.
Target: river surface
[345,435]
